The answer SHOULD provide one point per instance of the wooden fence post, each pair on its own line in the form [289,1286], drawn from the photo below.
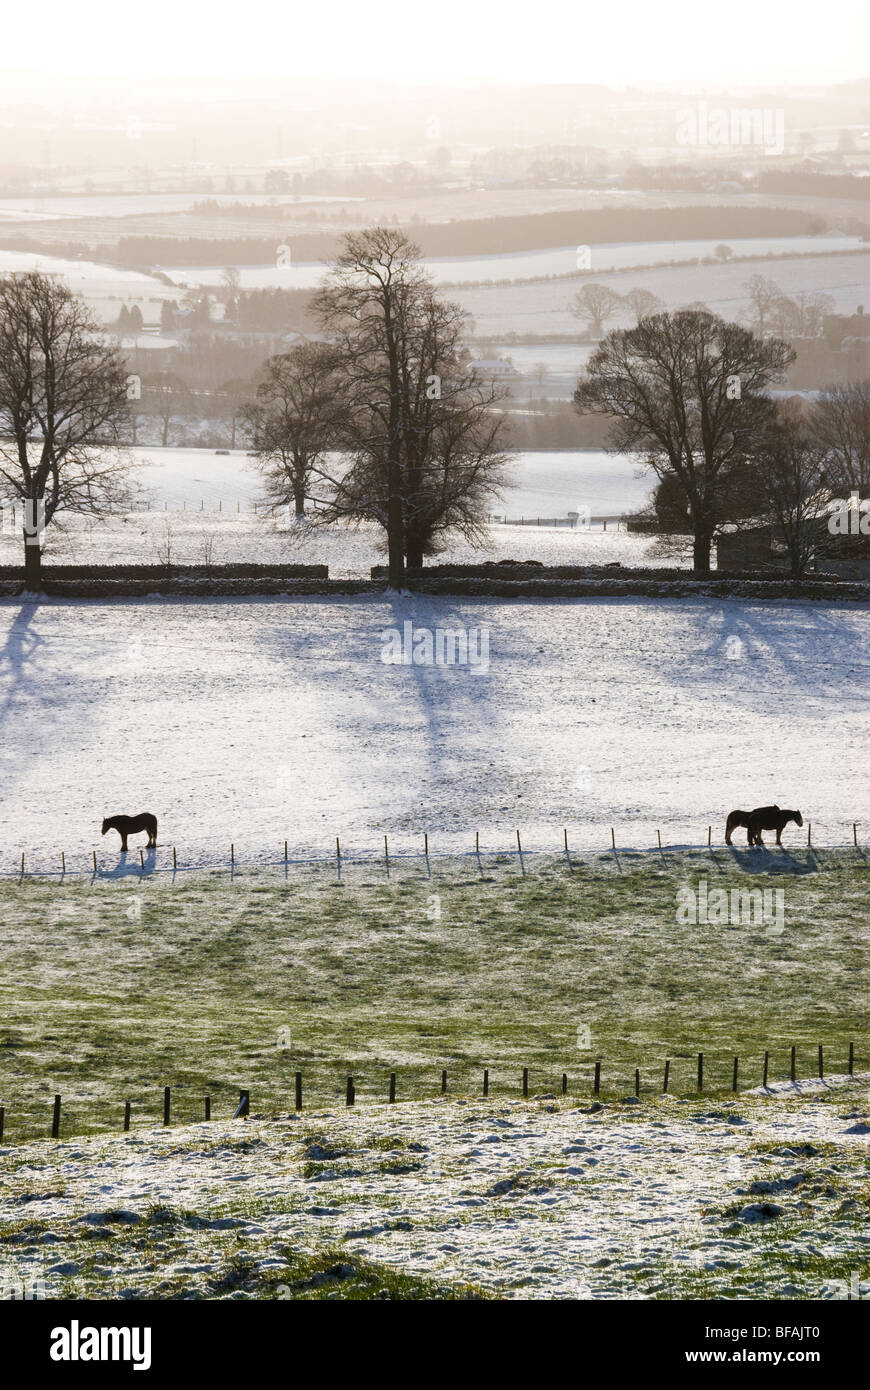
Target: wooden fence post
[350,1094]
[793,1054]
[126,1115]
[55,1119]
[667,1075]
[299,1090]
[700,1071]
[392,1087]
[166,1103]
[734,1076]
[208,1107]
[821,1064]
[851,1059]
[2,1120]
[525,1082]
[637,1081]
[486,1082]
[174,858]
[95,861]
[766,1062]
[596,1085]
[855,832]
[444,1083]
[564,1083]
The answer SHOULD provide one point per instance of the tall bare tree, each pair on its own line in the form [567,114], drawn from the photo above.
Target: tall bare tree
[63,409]
[423,446]
[686,392]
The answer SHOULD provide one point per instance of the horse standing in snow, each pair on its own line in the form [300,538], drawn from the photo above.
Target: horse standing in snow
[131,825]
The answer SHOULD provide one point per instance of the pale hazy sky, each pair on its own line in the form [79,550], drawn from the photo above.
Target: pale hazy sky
[618,42]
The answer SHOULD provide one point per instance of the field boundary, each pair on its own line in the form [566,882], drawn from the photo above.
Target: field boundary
[568,1089]
[145,862]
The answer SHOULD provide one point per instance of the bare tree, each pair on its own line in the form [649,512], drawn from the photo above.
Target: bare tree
[63,409]
[642,302]
[762,293]
[840,423]
[295,420]
[423,447]
[165,396]
[595,303]
[234,397]
[686,392]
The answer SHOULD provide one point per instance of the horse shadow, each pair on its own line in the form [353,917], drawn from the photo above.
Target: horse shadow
[129,865]
[772,859]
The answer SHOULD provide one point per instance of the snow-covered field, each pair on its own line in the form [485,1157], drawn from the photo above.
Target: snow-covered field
[525,265]
[545,482]
[257,720]
[762,1197]
[210,498]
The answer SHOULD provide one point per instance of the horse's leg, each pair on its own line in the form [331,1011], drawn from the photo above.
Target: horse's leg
[779,838]
[123,844]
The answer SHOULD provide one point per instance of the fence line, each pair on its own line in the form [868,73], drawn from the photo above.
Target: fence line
[387,855]
[593,1083]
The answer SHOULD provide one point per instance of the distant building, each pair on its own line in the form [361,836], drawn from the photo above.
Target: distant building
[493,367]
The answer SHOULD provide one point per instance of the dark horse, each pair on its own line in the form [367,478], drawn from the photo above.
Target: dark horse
[762,818]
[131,825]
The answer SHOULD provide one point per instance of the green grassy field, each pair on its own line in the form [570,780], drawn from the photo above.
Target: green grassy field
[110,990]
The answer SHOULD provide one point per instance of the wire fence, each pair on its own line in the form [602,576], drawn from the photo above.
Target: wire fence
[149,861]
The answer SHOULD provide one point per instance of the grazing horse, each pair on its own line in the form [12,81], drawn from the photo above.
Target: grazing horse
[131,825]
[770,818]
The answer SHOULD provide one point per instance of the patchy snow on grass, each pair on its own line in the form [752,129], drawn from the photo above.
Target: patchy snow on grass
[754,1197]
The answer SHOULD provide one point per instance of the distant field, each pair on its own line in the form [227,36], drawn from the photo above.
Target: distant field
[111,989]
[526,265]
[543,308]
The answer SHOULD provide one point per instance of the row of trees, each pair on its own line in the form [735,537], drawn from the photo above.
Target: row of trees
[771,312]
[385,421]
